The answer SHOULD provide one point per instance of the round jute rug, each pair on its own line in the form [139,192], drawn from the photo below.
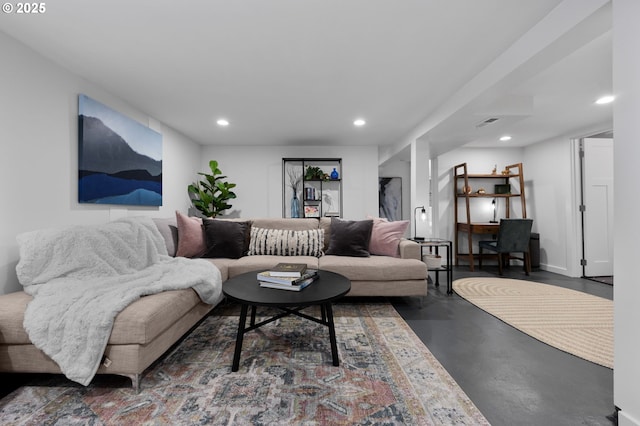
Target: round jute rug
[572,321]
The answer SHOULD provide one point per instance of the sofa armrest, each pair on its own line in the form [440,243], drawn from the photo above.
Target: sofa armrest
[410,250]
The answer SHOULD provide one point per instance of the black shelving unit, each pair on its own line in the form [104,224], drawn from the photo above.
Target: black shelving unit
[316,196]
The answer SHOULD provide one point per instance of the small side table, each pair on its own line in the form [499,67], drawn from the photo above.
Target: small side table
[434,244]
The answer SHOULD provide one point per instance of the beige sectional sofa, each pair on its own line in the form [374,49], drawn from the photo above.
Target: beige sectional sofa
[148,327]
[141,333]
[404,275]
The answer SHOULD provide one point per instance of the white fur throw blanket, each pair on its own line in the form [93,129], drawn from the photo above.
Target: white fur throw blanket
[82,277]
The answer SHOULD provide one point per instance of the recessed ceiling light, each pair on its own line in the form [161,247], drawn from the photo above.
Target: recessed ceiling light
[222,122]
[605,100]
[359,122]
[505,138]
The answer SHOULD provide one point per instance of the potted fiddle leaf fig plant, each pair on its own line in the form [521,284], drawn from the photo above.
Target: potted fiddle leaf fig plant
[210,195]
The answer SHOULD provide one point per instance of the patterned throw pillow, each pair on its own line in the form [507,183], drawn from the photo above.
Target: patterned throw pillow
[284,242]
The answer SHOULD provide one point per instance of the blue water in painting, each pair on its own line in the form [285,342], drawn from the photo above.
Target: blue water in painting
[98,188]
[139,197]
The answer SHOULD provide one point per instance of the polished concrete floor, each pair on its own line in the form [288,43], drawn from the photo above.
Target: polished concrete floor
[512,378]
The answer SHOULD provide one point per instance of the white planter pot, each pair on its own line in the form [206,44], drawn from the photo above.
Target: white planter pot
[432,261]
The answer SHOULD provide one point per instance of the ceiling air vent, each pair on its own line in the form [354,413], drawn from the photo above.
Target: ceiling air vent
[486,122]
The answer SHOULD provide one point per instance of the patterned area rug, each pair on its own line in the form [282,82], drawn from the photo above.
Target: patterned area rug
[575,322]
[386,376]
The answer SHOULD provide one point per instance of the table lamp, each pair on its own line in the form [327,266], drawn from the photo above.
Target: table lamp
[423,217]
[494,206]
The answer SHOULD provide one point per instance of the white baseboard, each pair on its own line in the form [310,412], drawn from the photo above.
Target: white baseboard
[555,269]
[624,420]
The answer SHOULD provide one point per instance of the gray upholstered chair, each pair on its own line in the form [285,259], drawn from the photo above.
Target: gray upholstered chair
[513,237]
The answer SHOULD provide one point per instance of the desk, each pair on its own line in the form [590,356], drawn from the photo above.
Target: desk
[434,244]
[479,228]
[470,229]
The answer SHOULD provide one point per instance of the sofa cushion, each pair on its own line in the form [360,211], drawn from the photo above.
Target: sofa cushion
[191,242]
[225,238]
[223,266]
[262,263]
[350,237]
[283,242]
[300,224]
[168,228]
[325,224]
[386,236]
[375,268]
[143,320]
[12,307]
[138,323]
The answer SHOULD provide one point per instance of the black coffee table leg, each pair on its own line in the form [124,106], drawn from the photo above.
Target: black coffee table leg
[332,334]
[253,315]
[241,324]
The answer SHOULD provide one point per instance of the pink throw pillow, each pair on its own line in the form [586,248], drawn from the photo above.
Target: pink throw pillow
[191,241]
[386,236]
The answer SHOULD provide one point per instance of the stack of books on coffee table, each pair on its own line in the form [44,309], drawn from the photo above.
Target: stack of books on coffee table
[287,276]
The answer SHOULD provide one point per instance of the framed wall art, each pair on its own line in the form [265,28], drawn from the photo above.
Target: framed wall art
[119,159]
[390,197]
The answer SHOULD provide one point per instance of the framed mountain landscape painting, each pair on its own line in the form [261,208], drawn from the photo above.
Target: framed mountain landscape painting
[119,159]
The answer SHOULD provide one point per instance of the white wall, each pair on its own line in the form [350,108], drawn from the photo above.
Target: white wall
[552,203]
[420,189]
[626,292]
[257,171]
[38,153]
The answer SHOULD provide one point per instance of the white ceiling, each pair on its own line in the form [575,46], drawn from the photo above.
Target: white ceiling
[293,72]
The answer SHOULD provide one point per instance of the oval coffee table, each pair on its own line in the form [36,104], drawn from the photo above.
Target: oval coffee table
[245,290]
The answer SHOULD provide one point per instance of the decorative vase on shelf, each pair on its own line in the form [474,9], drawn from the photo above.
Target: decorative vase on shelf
[295,205]
[334,174]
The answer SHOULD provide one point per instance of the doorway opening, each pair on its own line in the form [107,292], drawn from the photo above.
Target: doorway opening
[596,207]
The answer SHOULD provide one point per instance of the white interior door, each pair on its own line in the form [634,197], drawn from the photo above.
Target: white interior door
[598,202]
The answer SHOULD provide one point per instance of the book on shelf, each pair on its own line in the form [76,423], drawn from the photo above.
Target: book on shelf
[295,287]
[311,211]
[288,270]
[265,276]
[310,194]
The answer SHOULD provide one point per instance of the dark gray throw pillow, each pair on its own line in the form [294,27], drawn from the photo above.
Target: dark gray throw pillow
[350,237]
[226,239]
